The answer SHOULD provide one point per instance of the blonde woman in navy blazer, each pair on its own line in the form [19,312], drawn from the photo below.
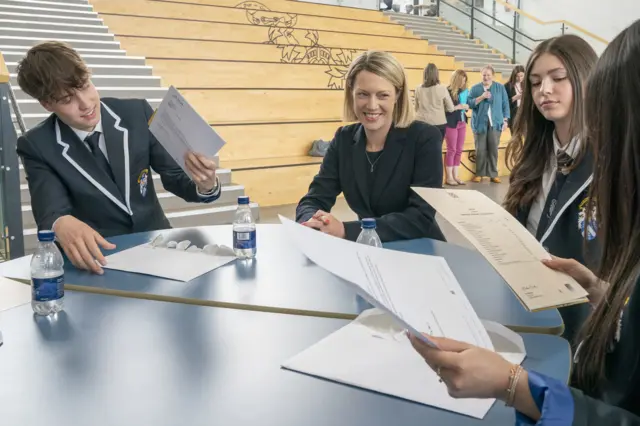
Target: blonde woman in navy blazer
[377,160]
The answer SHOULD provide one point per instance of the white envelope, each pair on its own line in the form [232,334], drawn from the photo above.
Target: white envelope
[373,353]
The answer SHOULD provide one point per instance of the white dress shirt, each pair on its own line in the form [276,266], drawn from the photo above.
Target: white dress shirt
[548,177]
[82,134]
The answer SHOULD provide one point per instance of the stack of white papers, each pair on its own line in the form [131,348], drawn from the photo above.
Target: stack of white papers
[373,353]
[411,292]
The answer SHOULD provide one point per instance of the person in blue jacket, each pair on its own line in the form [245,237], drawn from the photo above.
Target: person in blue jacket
[489,103]
[606,388]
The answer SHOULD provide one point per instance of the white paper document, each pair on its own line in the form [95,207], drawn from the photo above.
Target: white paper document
[180,129]
[420,292]
[174,260]
[17,269]
[510,248]
[373,353]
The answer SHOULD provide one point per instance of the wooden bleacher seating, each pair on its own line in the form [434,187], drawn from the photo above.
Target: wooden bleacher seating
[267,75]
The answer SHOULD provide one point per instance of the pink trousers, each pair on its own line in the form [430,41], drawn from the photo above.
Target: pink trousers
[455,143]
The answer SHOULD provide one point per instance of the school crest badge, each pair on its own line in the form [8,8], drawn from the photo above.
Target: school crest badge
[143,181]
[591,226]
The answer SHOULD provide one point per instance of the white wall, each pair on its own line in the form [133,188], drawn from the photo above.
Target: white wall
[603,18]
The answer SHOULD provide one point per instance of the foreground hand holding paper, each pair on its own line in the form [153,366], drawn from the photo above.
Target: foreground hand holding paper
[373,353]
[513,252]
[174,260]
[420,292]
[180,129]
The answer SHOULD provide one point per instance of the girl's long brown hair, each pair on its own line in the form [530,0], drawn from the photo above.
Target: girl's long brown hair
[613,91]
[457,84]
[531,145]
[514,74]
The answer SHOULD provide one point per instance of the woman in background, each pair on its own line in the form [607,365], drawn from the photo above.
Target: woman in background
[456,126]
[552,170]
[432,99]
[377,160]
[514,90]
[490,105]
[606,389]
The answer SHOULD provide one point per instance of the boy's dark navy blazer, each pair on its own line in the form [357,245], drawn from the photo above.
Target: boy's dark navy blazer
[64,178]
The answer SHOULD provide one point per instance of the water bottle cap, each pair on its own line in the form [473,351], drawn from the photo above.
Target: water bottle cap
[369,223]
[46,236]
[243,199]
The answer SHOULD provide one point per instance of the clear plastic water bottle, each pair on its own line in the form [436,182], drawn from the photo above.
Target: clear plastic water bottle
[368,235]
[244,230]
[47,276]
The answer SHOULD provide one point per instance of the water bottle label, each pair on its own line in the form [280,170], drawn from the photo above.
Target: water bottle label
[47,289]
[244,240]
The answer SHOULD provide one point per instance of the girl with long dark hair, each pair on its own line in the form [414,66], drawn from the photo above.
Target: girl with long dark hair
[551,161]
[606,389]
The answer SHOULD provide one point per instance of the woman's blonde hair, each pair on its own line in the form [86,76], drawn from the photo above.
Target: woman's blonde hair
[386,66]
[458,83]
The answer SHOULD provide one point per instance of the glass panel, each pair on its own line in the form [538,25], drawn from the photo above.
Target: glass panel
[494,38]
[455,13]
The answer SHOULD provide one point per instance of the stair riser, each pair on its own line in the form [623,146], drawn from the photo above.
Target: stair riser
[475,57]
[27,26]
[69,33]
[41,19]
[113,59]
[35,39]
[101,71]
[419,24]
[443,36]
[466,48]
[67,6]
[480,64]
[41,10]
[462,43]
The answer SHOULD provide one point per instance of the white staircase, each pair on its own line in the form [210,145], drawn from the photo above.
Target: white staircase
[472,52]
[24,23]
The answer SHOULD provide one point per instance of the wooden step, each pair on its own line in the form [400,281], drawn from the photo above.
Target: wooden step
[296,7]
[277,186]
[185,74]
[266,105]
[239,15]
[227,32]
[242,51]
[251,144]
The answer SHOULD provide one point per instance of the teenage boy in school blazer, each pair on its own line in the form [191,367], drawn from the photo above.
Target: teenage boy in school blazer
[89,164]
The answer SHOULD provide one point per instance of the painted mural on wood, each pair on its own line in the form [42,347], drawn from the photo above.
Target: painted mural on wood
[299,46]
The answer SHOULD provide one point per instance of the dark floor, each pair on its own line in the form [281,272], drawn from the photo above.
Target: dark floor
[342,211]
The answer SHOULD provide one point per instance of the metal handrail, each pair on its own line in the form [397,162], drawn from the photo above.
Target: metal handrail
[473,20]
[16,110]
[562,21]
